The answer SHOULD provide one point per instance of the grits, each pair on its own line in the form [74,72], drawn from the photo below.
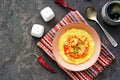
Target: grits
[76,46]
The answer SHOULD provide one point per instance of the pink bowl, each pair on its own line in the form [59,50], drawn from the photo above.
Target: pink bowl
[89,62]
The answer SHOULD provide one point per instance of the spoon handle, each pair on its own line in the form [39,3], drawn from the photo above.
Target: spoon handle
[110,38]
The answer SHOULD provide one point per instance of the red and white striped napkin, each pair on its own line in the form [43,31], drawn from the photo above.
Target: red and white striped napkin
[105,58]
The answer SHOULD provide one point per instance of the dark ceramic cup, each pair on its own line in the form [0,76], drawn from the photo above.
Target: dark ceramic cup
[111,13]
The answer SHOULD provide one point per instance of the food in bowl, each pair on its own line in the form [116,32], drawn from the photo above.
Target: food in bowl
[84,64]
[76,46]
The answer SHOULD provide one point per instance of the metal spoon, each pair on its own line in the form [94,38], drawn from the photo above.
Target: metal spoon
[91,14]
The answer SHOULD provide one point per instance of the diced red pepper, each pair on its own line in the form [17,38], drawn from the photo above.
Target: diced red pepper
[66,48]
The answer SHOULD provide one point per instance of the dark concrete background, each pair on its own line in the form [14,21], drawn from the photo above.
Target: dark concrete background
[16,43]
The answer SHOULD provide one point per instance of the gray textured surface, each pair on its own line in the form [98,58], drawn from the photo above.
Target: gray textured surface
[16,43]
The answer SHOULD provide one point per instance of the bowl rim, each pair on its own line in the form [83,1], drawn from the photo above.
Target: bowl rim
[86,64]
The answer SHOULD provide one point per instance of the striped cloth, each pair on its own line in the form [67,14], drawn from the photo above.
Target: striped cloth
[105,58]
